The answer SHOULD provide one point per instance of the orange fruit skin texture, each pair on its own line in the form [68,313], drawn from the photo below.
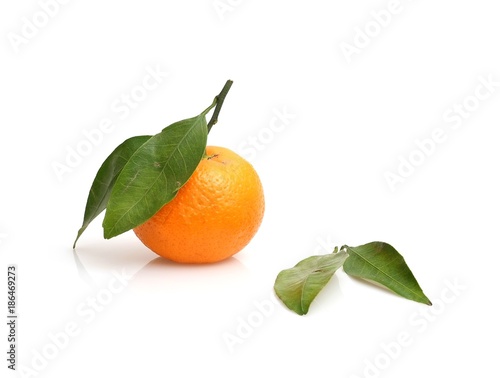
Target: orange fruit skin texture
[214,215]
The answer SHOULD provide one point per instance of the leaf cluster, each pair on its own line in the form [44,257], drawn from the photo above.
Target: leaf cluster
[377,262]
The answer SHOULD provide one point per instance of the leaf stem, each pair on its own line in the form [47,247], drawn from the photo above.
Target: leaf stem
[219,100]
[344,248]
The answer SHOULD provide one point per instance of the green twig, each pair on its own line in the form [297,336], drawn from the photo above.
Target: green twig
[220,100]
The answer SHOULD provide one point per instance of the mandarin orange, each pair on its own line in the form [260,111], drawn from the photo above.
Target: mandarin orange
[213,216]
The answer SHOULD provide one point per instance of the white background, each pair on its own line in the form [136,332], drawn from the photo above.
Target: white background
[324,174]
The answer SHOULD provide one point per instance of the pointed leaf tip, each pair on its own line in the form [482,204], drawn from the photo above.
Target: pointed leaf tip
[381,263]
[105,179]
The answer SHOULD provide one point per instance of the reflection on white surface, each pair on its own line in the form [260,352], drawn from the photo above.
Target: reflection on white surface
[160,273]
[149,270]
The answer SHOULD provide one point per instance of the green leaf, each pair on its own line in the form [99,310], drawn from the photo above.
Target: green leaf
[381,263]
[297,287]
[106,178]
[154,174]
